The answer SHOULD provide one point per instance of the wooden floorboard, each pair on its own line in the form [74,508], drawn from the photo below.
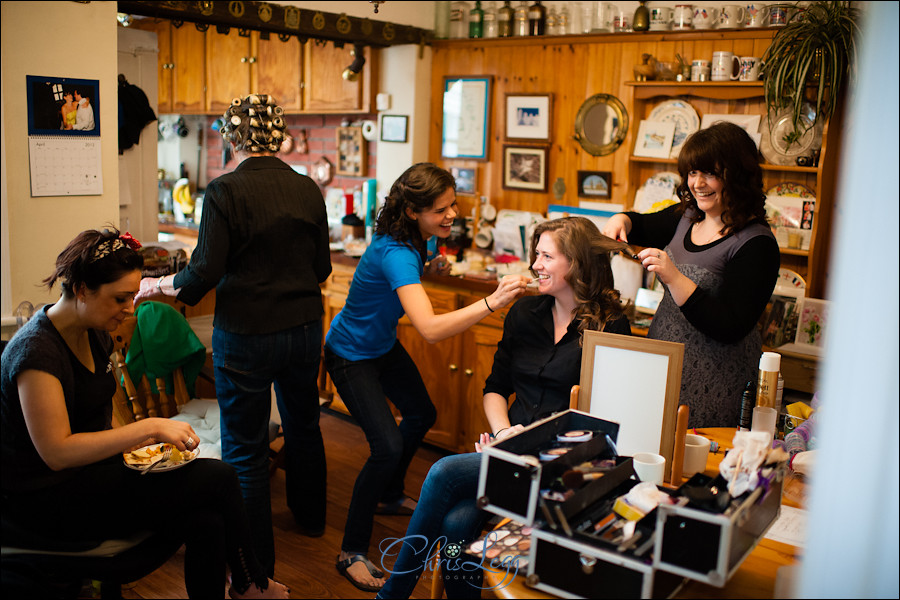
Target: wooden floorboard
[306,564]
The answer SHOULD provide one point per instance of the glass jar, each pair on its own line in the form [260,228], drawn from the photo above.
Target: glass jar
[505,16]
[459,20]
[537,19]
[552,22]
[490,21]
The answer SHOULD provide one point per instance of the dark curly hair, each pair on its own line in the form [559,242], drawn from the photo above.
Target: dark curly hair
[416,189]
[92,259]
[590,274]
[254,124]
[728,152]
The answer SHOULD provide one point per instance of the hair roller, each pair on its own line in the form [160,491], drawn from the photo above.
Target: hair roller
[251,111]
[236,102]
[273,147]
[254,122]
[277,134]
[253,99]
[235,120]
[278,111]
[270,100]
[278,122]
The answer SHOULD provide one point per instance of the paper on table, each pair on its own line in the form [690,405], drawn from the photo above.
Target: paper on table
[790,528]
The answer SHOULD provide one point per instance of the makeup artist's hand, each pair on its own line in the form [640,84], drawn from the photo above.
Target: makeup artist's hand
[439,266]
[679,285]
[617,227]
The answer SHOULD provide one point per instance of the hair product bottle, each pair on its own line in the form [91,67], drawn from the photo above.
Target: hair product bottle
[748,401]
[767,388]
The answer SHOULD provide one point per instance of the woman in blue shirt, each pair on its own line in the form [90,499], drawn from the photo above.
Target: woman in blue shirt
[369,365]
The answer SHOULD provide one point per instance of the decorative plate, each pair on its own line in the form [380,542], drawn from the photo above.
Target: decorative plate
[683,115]
[323,171]
[790,279]
[668,177]
[789,188]
[773,145]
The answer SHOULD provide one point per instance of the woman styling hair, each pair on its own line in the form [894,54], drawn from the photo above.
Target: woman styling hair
[58,443]
[369,365]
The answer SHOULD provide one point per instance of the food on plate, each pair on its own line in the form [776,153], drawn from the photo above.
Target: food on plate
[150,454]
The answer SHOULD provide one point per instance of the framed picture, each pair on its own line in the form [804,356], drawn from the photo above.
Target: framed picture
[465,180]
[528,117]
[594,184]
[466,112]
[63,106]
[525,168]
[654,139]
[351,151]
[812,322]
[394,127]
[648,373]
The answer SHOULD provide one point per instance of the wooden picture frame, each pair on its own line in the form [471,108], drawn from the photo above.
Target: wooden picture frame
[394,128]
[654,139]
[351,148]
[525,168]
[529,117]
[594,184]
[466,117]
[635,382]
[465,180]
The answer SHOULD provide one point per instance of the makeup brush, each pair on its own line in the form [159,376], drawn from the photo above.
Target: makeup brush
[575,479]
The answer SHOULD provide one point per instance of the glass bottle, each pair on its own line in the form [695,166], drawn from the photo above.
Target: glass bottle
[552,22]
[537,19]
[641,21]
[490,21]
[520,26]
[505,20]
[442,19]
[563,20]
[476,21]
[575,19]
[587,17]
[459,15]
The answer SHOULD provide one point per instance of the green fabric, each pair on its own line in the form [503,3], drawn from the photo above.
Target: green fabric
[163,341]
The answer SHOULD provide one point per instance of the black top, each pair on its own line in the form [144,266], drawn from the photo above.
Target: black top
[39,346]
[263,245]
[528,363]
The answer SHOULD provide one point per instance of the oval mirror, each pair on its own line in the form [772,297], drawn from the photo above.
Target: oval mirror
[601,124]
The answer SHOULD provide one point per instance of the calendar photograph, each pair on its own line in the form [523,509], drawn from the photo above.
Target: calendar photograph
[63,106]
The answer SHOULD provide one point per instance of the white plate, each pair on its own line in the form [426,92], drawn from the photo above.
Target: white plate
[165,467]
[790,279]
[683,115]
[776,150]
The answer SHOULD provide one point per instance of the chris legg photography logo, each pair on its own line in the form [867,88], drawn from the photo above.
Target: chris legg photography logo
[454,564]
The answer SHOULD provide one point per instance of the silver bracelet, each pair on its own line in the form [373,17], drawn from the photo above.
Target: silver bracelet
[159,284]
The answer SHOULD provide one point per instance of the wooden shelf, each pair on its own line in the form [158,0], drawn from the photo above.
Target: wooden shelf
[721,90]
[794,252]
[764,166]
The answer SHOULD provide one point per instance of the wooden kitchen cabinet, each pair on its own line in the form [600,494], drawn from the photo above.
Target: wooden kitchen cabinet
[237,66]
[182,76]
[325,91]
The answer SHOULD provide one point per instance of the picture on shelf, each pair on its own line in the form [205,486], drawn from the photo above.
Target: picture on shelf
[654,139]
[812,322]
[779,322]
[594,184]
[465,180]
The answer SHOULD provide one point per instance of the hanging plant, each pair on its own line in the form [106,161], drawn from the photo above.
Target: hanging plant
[813,53]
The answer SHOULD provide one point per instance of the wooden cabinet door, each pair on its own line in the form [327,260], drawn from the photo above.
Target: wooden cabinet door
[478,348]
[324,89]
[228,62]
[165,65]
[278,70]
[188,70]
[439,365]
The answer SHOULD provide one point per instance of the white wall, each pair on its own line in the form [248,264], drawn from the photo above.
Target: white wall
[58,39]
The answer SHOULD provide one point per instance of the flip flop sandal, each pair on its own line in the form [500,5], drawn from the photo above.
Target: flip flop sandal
[343,565]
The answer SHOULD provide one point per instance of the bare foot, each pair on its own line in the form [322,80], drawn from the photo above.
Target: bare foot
[275,590]
[360,572]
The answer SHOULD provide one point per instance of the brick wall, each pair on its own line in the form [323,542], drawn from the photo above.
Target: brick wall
[321,131]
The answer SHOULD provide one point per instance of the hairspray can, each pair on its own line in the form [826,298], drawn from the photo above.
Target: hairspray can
[767,388]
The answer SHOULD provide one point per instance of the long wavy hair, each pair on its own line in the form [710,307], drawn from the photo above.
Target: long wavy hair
[94,258]
[728,152]
[416,189]
[590,274]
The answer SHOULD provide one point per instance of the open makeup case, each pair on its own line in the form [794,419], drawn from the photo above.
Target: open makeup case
[580,543]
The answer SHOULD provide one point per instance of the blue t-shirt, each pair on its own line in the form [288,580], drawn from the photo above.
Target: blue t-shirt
[366,327]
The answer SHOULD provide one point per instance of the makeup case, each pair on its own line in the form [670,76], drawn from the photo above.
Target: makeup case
[513,474]
[568,558]
[709,546]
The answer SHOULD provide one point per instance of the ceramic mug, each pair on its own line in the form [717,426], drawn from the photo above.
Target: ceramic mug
[696,454]
[778,16]
[749,68]
[757,15]
[649,467]
[725,67]
[705,17]
[661,18]
[684,16]
[700,70]
[732,16]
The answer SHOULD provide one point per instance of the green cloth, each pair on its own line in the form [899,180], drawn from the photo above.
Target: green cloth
[163,341]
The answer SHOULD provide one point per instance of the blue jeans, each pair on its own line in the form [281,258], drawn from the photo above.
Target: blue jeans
[364,386]
[446,513]
[246,366]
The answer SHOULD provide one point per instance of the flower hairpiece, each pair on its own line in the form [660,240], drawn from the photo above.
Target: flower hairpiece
[111,245]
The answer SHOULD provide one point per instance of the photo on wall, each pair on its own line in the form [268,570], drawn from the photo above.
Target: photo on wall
[63,106]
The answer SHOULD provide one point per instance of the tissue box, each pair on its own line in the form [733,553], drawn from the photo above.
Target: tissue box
[567,559]
[708,546]
[512,474]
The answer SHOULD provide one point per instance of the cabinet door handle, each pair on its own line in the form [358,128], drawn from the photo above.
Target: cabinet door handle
[243,59]
[469,372]
[251,60]
[454,368]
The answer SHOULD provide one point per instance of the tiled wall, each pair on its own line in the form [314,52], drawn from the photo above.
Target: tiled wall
[321,133]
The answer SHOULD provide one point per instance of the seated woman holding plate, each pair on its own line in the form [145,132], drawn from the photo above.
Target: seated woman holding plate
[58,443]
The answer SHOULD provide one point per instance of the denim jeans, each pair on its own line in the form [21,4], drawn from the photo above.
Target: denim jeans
[246,366]
[446,513]
[364,386]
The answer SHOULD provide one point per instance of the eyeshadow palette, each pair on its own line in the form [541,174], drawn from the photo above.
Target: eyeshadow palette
[509,542]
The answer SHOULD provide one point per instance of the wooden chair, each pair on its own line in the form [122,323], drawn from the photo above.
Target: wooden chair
[674,474]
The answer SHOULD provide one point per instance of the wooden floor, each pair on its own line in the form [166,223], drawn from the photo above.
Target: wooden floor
[306,565]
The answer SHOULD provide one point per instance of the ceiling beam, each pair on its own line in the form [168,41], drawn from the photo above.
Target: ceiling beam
[280,20]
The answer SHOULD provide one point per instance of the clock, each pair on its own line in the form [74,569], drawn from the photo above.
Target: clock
[323,171]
